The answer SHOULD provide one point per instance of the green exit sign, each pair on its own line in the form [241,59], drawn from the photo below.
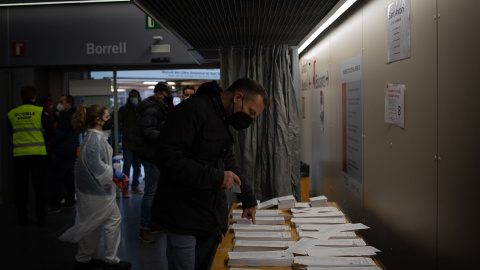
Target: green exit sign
[151,23]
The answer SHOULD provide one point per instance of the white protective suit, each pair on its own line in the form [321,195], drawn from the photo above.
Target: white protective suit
[96,204]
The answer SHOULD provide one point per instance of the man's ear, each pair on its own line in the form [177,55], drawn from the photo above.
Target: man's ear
[237,96]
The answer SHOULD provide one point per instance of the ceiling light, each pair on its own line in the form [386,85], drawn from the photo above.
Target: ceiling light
[61,2]
[346,5]
[171,83]
[154,83]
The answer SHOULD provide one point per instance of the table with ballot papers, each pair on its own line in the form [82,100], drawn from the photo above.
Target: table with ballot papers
[294,235]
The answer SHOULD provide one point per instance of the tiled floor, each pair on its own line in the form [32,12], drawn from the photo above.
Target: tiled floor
[29,247]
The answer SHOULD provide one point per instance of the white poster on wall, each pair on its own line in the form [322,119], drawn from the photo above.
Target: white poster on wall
[352,125]
[395,104]
[397,31]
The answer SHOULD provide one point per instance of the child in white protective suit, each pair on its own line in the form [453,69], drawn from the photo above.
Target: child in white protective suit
[95,189]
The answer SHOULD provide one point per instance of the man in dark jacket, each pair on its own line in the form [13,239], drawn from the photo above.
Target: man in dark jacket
[127,125]
[197,165]
[64,145]
[152,116]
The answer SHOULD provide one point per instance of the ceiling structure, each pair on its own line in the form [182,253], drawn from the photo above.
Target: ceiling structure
[205,27]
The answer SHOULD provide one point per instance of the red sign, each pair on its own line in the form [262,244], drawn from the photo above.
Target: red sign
[19,49]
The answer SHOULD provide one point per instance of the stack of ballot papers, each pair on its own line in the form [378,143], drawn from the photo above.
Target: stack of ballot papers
[339,227]
[313,209]
[259,213]
[267,204]
[263,236]
[261,258]
[258,228]
[302,262]
[318,220]
[318,201]
[337,235]
[323,214]
[301,246]
[365,251]
[302,205]
[263,220]
[286,202]
[243,245]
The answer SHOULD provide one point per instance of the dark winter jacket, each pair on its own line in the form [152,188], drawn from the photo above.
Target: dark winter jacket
[152,115]
[127,124]
[195,150]
[65,141]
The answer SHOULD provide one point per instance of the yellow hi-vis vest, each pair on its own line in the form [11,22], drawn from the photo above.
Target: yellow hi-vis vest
[27,130]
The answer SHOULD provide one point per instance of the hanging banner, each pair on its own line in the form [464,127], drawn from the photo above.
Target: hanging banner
[397,31]
[395,104]
[352,124]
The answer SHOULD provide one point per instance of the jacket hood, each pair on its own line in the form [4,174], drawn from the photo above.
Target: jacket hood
[209,88]
[147,103]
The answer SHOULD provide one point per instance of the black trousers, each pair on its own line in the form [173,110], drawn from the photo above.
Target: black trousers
[62,176]
[34,168]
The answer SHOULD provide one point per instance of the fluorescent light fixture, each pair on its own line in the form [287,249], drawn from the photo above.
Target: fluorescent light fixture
[152,83]
[171,83]
[61,2]
[151,87]
[121,90]
[326,24]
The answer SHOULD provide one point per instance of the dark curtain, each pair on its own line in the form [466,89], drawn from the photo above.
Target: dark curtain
[269,150]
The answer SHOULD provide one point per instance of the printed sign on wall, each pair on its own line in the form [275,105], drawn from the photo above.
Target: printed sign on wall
[397,31]
[352,124]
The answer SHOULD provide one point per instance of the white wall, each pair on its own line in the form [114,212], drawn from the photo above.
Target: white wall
[405,188]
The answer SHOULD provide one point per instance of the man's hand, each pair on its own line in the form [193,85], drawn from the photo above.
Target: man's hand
[229,178]
[249,213]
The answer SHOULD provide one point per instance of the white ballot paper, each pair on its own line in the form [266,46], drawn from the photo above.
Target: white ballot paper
[261,258]
[260,213]
[331,268]
[318,220]
[302,245]
[258,228]
[235,188]
[333,261]
[263,236]
[343,252]
[336,235]
[324,214]
[314,209]
[302,205]
[268,204]
[319,201]
[264,221]
[244,245]
[342,227]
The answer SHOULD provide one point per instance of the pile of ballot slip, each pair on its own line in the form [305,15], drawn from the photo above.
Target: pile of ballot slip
[325,239]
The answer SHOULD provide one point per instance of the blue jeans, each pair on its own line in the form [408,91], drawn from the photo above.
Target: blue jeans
[130,159]
[152,175]
[189,252]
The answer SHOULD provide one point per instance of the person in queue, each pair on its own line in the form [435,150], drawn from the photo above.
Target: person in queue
[97,208]
[31,127]
[197,165]
[187,92]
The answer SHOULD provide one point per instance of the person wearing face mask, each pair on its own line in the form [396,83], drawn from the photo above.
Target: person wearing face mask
[153,112]
[64,145]
[127,125]
[197,166]
[188,91]
[97,209]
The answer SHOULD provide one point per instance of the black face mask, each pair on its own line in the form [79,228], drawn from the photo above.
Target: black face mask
[168,100]
[239,120]
[108,125]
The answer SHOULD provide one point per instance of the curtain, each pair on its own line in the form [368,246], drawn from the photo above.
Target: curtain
[269,150]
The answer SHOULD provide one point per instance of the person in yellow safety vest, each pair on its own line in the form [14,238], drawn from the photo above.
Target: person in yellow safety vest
[30,128]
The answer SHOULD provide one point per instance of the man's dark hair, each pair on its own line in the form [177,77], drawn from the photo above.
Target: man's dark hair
[250,88]
[28,93]
[69,99]
[188,87]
